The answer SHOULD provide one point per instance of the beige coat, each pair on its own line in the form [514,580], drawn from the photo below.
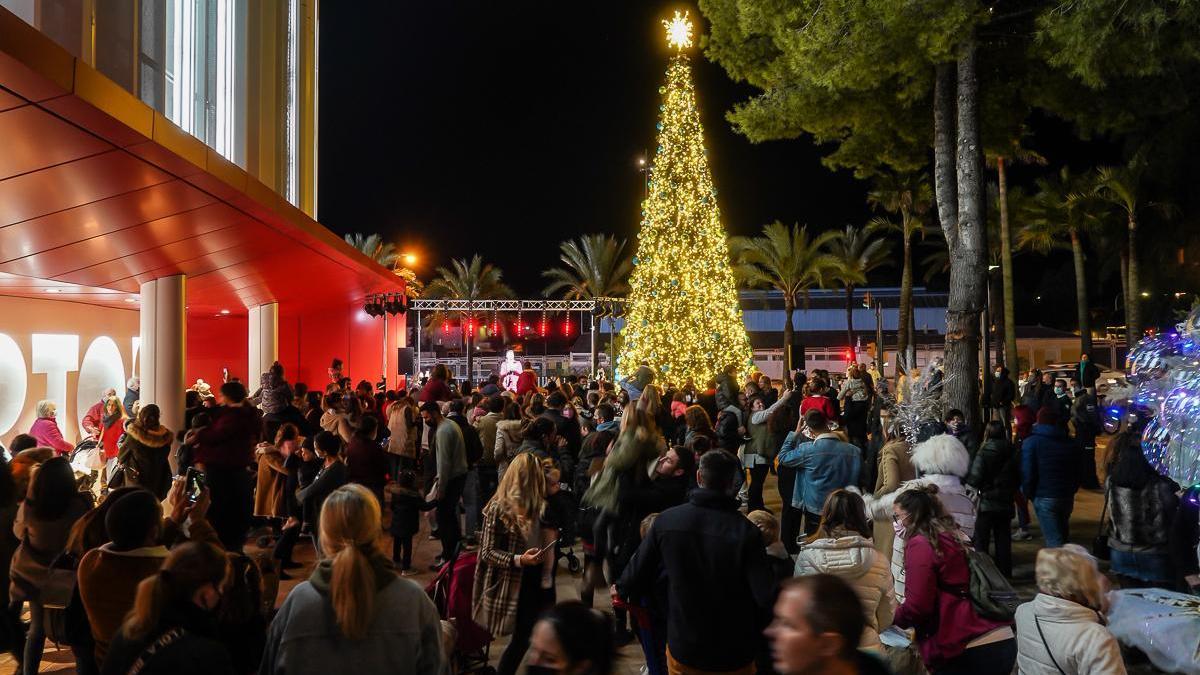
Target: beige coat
[855,560]
[895,467]
[269,499]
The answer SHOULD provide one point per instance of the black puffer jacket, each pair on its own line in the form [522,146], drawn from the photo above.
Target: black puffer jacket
[995,473]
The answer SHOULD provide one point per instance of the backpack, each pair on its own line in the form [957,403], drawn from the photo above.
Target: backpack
[992,596]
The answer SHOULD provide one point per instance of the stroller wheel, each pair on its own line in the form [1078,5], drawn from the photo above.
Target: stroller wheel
[573,565]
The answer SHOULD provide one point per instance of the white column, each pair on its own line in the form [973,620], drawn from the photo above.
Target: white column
[264,342]
[163,347]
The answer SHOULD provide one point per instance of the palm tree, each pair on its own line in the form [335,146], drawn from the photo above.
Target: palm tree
[1014,153]
[1121,188]
[858,252]
[373,246]
[784,259]
[1058,216]
[595,266]
[474,280]
[909,196]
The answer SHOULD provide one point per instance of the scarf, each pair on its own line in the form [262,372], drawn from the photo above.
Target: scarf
[109,420]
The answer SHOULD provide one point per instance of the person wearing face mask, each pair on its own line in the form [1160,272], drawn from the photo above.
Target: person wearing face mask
[1003,395]
[816,629]
[172,628]
[956,426]
[1050,476]
[1061,402]
[571,639]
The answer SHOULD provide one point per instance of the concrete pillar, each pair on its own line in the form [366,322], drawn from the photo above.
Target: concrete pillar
[163,347]
[264,342]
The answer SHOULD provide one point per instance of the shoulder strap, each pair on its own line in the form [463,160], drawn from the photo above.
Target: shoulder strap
[1045,644]
[162,642]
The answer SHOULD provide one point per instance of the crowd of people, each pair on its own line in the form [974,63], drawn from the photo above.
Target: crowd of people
[170,560]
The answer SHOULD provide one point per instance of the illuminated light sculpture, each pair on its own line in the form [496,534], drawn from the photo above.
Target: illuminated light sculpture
[683,316]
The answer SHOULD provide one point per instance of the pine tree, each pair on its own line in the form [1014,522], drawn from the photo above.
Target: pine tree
[683,317]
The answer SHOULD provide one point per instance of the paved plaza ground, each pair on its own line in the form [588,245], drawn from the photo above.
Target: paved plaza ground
[1084,524]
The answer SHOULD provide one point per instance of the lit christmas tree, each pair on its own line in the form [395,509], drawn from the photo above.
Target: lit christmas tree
[683,316]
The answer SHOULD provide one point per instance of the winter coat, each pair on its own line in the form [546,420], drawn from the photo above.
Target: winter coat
[726,392]
[943,462]
[1141,519]
[402,428]
[93,419]
[995,474]
[269,498]
[895,467]
[108,582]
[1088,373]
[197,649]
[1004,392]
[1049,463]
[45,431]
[938,605]
[434,390]
[273,395]
[450,450]
[110,438]
[508,439]
[1074,637]
[1085,415]
[41,542]
[818,402]
[497,575]
[485,426]
[145,451]
[229,441]
[718,608]
[367,464]
[761,449]
[526,382]
[822,466]
[337,423]
[854,559]
[313,495]
[131,397]
[404,635]
[407,506]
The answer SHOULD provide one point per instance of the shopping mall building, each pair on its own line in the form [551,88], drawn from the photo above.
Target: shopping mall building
[158,206]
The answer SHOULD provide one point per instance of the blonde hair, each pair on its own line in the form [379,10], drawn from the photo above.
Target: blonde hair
[647,522]
[766,523]
[350,530]
[521,494]
[46,408]
[650,401]
[1071,574]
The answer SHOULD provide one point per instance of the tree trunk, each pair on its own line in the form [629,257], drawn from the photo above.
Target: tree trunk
[1133,296]
[1011,355]
[850,317]
[1081,295]
[968,249]
[1125,288]
[905,317]
[945,181]
[789,332]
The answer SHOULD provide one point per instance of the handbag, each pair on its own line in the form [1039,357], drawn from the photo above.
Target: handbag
[1100,549]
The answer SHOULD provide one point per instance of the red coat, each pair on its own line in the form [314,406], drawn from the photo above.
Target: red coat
[818,402]
[434,390]
[110,436]
[526,382]
[93,421]
[934,602]
[229,441]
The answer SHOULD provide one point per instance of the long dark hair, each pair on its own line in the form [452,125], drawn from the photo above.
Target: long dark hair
[1127,465]
[186,569]
[585,635]
[926,515]
[843,511]
[52,490]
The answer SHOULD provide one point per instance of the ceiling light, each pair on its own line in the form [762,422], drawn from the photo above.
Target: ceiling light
[54,290]
[224,312]
[130,299]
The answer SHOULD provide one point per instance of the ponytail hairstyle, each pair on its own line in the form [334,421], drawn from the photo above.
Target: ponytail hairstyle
[350,529]
[187,568]
[926,515]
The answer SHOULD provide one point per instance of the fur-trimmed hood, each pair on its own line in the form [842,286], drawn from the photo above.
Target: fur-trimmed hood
[151,438]
[942,454]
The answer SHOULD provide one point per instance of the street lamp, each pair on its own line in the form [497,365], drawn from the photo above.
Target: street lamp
[410,259]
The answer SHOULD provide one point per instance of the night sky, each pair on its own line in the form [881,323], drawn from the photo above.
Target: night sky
[505,128]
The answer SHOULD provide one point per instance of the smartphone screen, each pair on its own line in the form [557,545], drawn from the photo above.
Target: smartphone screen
[196,482]
[547,547]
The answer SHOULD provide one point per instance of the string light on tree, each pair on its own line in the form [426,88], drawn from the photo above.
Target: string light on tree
[683,315]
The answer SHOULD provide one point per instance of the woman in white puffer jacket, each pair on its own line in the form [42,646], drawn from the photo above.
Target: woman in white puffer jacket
[842,547]
[942,461]
[1062,632]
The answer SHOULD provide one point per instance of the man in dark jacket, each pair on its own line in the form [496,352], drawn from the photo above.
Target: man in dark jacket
[567,431]
[995,473]
[224,450]
[716,568]
[1087,372]
[1003,394]
[1050,476]
[1085,418]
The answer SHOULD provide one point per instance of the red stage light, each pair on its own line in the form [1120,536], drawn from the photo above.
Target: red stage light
[567,327]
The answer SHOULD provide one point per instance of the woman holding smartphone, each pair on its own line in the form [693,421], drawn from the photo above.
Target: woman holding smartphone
[509,592]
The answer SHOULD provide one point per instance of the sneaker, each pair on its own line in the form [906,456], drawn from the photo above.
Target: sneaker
[1021,534]
[408,572]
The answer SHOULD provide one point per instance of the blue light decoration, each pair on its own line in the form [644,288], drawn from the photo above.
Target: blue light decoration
[1164,378]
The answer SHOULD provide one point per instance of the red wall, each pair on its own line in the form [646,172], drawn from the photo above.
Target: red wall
[308,343]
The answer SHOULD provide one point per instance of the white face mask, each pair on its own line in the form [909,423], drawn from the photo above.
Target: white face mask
[899,528]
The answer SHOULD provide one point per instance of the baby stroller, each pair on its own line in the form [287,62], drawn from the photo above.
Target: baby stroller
[87,460]
[451,593]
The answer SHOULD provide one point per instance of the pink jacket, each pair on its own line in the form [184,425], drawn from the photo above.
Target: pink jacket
[45,432]
[936,602]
